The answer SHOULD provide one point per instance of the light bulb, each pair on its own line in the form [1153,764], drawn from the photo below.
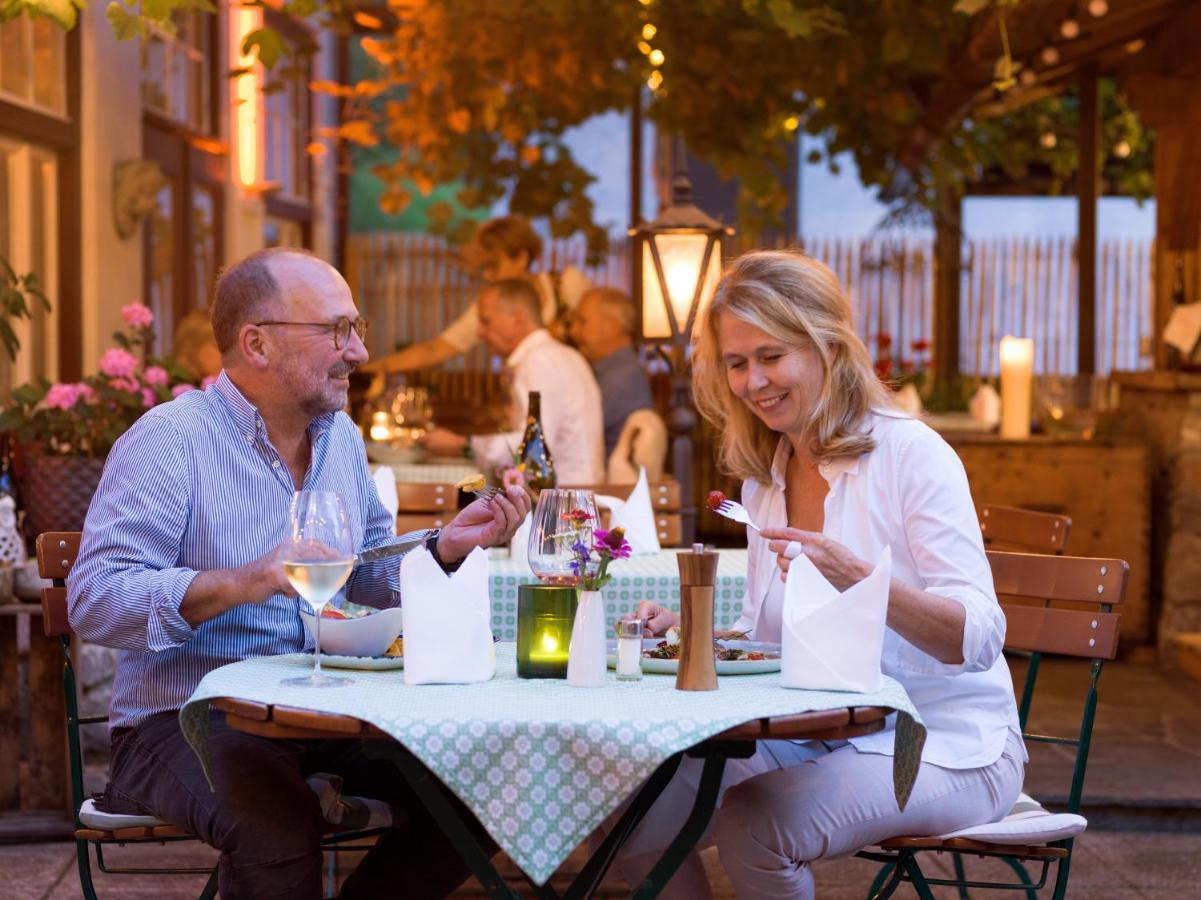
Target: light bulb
[1027,77]
[1070,29]
[655,79]
[792,123]
[1048,140]
[656,57]
[1097,8]
[1049,56]
[1121,149]
[644,47]
[648,31]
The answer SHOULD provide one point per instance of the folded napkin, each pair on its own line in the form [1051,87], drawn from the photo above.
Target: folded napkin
[832,641]
[636,515]
[448,620]
[385,486]
[519,546]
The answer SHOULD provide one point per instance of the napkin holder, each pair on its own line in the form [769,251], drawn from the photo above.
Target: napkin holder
[448,620]
[697,670]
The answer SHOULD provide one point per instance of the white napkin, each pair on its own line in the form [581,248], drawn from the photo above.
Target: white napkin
[636,515]
[385,486]
[519,546]
[831,641]
[448,620]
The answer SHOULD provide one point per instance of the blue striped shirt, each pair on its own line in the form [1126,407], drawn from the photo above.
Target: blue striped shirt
[196,485]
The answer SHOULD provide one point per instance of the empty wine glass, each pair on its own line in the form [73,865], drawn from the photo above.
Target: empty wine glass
[562,518]
[317,560]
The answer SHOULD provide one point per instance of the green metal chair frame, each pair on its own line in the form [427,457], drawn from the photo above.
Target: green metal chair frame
[1088,634]
[56,552]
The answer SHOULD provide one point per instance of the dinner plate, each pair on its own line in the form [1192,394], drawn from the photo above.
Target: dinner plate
[337,661]
[724,667]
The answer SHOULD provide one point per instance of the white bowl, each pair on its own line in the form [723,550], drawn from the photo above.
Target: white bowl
[387,455]
[366,636]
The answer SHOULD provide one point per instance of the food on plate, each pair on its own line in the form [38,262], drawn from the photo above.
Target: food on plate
[716,499]
[396,648]
[670,650]
[347,610]
[471,483]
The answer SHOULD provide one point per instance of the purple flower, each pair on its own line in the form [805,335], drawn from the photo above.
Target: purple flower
[580,549]
[612,542]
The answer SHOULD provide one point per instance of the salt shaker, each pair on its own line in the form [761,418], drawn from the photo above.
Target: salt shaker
[629,649]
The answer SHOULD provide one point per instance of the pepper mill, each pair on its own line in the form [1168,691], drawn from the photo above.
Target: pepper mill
[698,575]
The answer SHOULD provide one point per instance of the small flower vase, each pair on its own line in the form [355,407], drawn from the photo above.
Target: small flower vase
[586,656]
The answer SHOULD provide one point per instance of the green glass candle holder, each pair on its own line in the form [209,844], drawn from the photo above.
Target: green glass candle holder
[545,614]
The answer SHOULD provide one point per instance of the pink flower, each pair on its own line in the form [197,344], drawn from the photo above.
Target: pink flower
[156,375]
[207,381]
[137,315]
[182,389]
[118,363]
[125,384]
[62,396]
[149,397]
[87,393]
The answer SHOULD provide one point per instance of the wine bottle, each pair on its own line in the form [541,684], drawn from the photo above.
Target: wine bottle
[533,457]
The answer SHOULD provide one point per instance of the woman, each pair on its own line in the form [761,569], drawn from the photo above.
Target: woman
[828,465]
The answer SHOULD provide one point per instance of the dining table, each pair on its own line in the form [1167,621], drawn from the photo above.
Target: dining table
[542,764]
[654,577]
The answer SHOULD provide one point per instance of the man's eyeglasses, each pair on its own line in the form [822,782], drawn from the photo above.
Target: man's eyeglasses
[341,328]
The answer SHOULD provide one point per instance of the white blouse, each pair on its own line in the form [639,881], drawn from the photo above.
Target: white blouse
[909,493]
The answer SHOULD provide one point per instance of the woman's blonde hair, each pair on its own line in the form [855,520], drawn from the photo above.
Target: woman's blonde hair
[799,302]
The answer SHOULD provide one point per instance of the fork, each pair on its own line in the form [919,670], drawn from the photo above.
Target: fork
[732,509]
[486,493]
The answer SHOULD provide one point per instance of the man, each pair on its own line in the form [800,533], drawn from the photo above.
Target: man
[602,326]
[180,568]
[505,247]
[571,401]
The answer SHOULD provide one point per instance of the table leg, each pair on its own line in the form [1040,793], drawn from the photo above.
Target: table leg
[432,794]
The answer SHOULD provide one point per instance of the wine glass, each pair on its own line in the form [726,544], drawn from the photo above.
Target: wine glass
[317,559]
[559,524]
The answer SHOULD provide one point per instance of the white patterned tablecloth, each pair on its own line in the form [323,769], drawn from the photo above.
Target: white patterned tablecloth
[540,763]
[655,578]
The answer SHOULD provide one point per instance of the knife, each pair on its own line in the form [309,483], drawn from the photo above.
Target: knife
[375,554]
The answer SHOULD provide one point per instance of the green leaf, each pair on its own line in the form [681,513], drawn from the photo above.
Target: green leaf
[61,11]
[125,24]
[270,45]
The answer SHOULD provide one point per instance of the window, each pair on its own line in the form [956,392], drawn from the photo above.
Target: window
[33,64]
[29,241]
[177,72]
[288,121]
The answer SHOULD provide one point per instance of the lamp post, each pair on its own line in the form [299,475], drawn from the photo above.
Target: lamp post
[677,266]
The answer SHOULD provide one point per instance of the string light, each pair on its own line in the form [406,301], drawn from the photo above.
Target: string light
[644,47]
[1027,76]
[1049,56]
[1048,140]
[1070,29]
[655,57]
[792,123]
[649,31]
[1121,149]
[655,80]
[1097,8]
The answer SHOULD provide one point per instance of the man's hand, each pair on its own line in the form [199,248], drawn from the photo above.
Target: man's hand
[216,590]
[484,523]
[444,442]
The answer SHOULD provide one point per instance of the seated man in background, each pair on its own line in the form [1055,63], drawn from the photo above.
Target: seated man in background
[602,326]
[572,420]
[505,247]
[181,569]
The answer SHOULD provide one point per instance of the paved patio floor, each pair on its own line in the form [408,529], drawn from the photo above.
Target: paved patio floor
[1143,797]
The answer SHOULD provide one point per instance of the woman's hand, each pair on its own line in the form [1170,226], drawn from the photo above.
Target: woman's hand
[657,618]
[838,565]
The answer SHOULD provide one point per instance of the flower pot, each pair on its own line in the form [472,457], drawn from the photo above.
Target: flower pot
[56,491]
[586,657]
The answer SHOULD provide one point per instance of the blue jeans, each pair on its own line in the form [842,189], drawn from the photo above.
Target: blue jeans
[265,819]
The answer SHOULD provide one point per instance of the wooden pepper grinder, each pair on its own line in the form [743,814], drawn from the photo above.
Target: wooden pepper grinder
[698,575]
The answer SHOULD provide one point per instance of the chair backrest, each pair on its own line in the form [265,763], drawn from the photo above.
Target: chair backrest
[665,499]
[1061,605]
[421,505]
[642,444]
[1024,529]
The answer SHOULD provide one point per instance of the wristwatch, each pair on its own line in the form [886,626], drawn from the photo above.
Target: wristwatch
[431,544]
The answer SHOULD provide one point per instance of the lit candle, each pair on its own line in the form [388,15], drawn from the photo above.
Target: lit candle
[1017,376]
[380,429]
[548,648]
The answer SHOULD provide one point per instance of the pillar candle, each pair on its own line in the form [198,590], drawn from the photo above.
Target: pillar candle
[1017,376]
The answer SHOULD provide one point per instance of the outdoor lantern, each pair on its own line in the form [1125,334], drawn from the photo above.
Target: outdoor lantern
[680,253]
[680,264]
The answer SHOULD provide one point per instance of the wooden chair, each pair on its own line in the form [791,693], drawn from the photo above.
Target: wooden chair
[424,505]
[1030,834]
[665,499]
[56,553]
[1011,528]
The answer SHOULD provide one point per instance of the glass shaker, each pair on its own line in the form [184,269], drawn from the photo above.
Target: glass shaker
[629,649]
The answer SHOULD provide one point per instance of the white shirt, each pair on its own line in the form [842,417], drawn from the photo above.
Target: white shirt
[464,332]
[911,494]
[572,420]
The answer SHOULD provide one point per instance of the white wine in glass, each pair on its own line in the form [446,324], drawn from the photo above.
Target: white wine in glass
[317,561]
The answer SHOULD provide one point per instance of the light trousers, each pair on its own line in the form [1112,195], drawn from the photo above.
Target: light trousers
[772,825]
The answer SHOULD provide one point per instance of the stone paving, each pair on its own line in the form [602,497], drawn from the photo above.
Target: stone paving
[1143,796]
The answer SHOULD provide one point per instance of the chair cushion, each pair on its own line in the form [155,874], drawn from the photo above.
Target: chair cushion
[94,818]
[1027,823]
